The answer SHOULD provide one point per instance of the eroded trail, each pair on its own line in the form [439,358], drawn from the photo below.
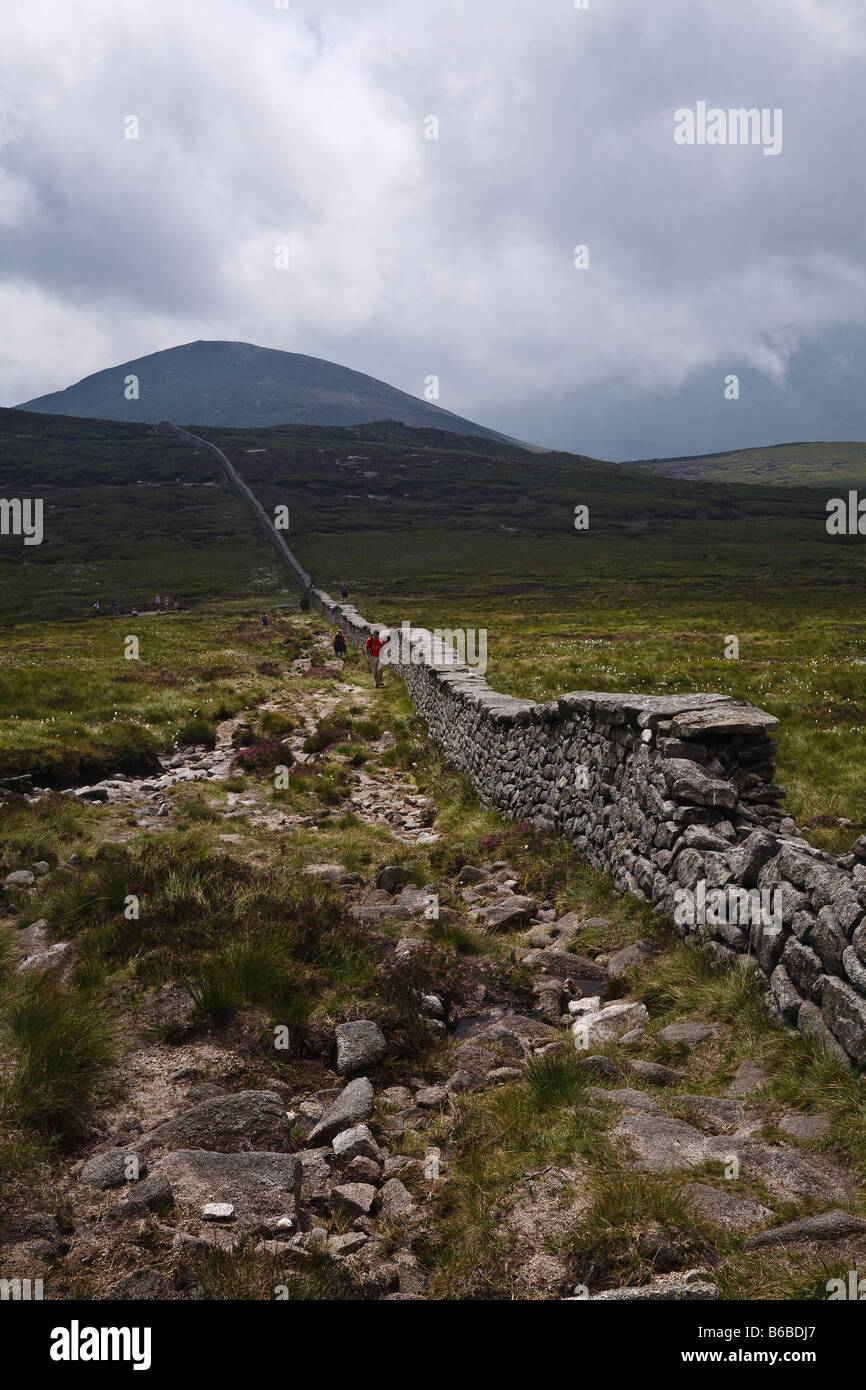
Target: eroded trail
[381,796]
[498,1098]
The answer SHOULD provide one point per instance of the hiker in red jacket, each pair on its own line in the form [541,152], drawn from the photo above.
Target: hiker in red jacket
[373,647]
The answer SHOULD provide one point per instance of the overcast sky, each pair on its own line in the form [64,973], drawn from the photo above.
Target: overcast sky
[262,126]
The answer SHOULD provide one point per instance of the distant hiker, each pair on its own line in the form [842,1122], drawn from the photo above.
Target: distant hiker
[264,620]
[341,646]
[177,603]
[373,647]
[114,608]
[157,600]
[96,607]
[344,590]
[133,612]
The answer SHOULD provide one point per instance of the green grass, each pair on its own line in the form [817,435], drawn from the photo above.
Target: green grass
[497,1137]
[55,1041]
[74,710]
[52,826]
[555,1079]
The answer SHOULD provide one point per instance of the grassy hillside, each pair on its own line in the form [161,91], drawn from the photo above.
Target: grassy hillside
[456,533]
[781,465]
[224,383]
[129,512]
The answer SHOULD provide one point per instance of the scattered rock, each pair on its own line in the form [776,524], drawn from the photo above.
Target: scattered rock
[356,1142]
[470,874]
[789,1173]
[749,1078]
[20,878]
[352,1107]
[431,1097]
[359,1045]
[217,1211]
[664,1288]
[395,1199]
[245,1120]
[204,1092]
[608,1023]
[662,1145]
[113,1168]
[142,1285]
[347,1244]
[690,1033]
[391,878]
[511,914]
[830,1225]
[55,960]
[718,1114]
[629,956]
[33,939]
[397,1097]
[154,1194]
[604,1066]
[723,1208]
[805,1126]
[330,873]
[353,1199]
[256,1184]
[656,1074]
[362,1169]
[628,1096]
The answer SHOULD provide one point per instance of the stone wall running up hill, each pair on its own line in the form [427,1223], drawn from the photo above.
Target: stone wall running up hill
[675,798]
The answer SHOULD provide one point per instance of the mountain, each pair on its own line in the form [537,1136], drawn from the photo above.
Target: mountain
[244,386]
[779,465]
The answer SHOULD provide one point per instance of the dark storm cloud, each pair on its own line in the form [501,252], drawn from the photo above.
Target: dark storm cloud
[304,127]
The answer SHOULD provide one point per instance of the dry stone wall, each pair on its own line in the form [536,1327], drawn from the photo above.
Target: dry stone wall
[675,797]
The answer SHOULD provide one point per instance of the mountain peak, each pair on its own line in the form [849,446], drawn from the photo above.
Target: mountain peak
[234,384]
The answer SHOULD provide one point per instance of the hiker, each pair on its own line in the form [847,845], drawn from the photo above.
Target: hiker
[96,608]
[264,620]
[344,590]
[341,646]
[114,608]
[157,602]
[133,612]
[373,647]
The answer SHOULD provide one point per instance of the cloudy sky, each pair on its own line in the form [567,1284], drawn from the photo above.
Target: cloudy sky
[262,126]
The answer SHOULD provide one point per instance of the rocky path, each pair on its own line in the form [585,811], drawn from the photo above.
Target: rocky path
[199,1148]
[381,796]
[345,1171]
